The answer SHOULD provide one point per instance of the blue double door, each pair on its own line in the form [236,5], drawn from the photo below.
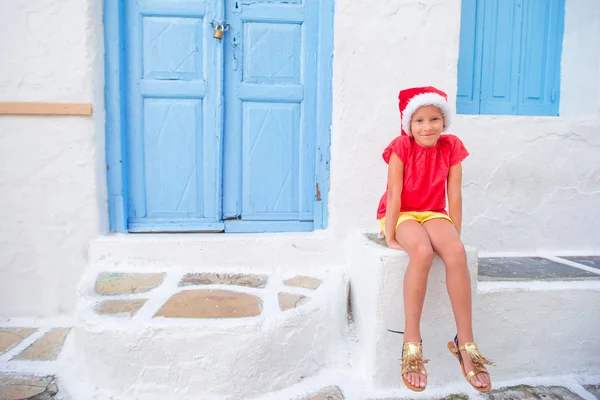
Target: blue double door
[221,133]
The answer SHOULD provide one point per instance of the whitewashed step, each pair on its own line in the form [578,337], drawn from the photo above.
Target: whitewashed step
[204,249]
[526,327]
[177,333]
[376,273]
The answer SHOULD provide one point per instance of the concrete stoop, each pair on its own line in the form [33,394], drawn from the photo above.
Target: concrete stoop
[528,328]
[151,333]
[376,274]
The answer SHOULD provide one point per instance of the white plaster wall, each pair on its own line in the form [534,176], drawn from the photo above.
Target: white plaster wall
[523,181]
[580,59]
[48,165]
[530,184]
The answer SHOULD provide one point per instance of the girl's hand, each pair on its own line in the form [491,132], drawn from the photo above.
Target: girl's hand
[392,244]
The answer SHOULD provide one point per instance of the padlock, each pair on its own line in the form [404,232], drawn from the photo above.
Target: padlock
[218,34]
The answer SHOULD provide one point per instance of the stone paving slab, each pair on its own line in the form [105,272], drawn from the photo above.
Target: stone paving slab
[305,282]
[519,392]
[528,268]
[376,239]
[47,347]
[328,393]
[19,387]
[460,396]
[525,392]
[589,261]
[10,337]
[188,302]
[288,301]
[593,389]
[254,281]
[120,308]
[109,283]
[210,304]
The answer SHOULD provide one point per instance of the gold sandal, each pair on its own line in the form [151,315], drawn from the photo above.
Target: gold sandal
[412,356]
[476,358]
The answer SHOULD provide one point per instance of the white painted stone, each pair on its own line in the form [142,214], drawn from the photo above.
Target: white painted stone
[146,358]
[525,330]
[376,275]
[540,333]
[202,251]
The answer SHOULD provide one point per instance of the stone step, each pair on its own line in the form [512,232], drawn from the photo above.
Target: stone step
[376,273]
[227,334]
[274,251]
[528,269]
[527,313]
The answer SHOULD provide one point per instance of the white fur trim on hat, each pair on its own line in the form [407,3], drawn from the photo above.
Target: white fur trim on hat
[425,99]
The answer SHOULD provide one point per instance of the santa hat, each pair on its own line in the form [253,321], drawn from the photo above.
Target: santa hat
[410,100]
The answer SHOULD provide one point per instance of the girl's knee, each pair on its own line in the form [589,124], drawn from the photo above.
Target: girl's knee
[423,252]
[455,255]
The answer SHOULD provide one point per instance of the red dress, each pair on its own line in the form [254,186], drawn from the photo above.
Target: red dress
[425,172]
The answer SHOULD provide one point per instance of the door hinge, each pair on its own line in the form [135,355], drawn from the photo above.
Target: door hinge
[318,195]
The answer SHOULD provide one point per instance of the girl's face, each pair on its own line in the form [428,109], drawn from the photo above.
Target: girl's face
[426,125]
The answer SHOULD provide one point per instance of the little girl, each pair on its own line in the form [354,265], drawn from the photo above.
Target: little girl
[422,162]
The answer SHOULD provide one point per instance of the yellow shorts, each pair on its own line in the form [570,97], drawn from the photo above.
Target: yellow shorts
[419,216]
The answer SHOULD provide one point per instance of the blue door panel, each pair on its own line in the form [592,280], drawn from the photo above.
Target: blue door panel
[172,48]
[179,8]
[273,53]
[270,115]
[173,184]
[270,161]
[174,129]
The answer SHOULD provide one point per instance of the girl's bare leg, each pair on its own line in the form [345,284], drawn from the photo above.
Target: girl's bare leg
[447,245]
[414,239]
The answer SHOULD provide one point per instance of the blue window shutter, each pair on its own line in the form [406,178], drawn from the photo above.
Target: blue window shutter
[543,26]
[469,57]
[501,50]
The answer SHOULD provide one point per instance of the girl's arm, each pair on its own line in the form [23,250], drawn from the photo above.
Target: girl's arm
[395,180]
[455,195]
